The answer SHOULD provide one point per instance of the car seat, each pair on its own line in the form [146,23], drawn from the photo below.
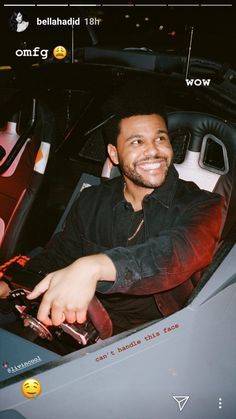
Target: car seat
[24,150]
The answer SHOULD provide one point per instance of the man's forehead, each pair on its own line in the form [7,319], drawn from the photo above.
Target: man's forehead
[143,122]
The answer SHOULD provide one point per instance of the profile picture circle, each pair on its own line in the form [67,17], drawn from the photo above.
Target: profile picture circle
[18,21]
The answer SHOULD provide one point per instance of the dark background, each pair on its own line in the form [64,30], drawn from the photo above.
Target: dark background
[128,26]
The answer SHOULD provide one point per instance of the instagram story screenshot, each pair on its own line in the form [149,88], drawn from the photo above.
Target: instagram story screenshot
[117,210]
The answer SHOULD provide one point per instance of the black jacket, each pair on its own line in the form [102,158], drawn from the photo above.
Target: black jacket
[182,225]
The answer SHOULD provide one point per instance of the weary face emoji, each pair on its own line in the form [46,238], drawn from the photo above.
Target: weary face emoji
[59,52]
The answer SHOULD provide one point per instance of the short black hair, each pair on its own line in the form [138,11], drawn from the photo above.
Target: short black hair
[134,98]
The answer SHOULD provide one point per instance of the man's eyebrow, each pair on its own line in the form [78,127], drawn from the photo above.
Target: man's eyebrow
[159,131]
[134,136]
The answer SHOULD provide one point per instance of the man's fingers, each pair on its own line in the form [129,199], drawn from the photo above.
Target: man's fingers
[44,312]
[70,316]
[40,288]
[57,315]
[81,317]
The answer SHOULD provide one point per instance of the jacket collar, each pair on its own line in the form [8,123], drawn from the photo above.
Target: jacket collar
[164,194]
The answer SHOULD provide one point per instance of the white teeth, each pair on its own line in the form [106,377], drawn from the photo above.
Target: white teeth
[150,166]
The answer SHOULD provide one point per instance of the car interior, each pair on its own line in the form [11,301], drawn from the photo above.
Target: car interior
[24,145]
[204,152]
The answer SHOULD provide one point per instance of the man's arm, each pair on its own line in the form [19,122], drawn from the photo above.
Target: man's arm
[63,248]
[165,261]
[157,265]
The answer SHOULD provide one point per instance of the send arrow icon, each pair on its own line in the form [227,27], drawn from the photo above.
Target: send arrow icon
[181,400]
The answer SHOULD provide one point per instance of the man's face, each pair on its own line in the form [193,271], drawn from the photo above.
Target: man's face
[143,150]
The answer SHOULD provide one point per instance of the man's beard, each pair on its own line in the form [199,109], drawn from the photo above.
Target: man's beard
[138,179]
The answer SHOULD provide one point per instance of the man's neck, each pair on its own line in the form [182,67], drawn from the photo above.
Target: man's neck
[135,194]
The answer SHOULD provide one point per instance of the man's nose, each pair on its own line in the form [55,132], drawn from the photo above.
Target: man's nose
[151,148]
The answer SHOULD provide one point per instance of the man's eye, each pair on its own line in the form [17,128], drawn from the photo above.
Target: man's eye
[136,141]
[159,139]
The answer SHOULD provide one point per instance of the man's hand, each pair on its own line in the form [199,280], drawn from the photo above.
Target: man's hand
[4,289]
[69,291]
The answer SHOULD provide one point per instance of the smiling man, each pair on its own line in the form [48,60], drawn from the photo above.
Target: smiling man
[143,153]
[139,240]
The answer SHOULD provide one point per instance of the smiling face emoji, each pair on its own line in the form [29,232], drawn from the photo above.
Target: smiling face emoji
[31,388]
[59,52]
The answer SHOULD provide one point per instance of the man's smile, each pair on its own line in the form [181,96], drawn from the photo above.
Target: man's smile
[148,165]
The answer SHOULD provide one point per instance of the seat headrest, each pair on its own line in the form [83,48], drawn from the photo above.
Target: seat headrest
[198,125]
[214,141]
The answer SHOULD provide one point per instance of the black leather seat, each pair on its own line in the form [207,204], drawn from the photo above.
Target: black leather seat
[210,157]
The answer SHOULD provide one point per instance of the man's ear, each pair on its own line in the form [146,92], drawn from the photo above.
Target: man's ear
[112,151]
